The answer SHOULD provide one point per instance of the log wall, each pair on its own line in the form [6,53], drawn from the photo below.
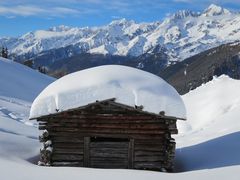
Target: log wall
[108,136]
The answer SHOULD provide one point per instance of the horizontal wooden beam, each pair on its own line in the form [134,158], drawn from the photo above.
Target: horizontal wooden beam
[109,126]
[107,131]
[107,135]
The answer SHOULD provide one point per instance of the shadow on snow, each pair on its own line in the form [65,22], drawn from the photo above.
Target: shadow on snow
[220,152]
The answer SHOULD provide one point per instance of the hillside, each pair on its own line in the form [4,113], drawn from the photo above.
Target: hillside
[196,70]
[209,138]
[20,82]
[181,35]
[148,62]
[19,87]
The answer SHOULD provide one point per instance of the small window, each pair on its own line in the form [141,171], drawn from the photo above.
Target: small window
[104,139]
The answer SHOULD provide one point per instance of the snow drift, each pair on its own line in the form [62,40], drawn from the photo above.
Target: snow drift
[128,85]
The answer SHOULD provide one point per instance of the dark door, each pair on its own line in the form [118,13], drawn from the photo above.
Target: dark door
[108,152]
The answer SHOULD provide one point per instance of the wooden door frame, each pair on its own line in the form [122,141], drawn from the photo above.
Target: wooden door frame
[86,151]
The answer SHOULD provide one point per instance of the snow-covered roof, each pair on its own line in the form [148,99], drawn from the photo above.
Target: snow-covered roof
[128,85]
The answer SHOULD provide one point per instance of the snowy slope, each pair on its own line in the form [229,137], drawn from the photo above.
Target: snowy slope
[19,86]
[208,147]
[183,34]
[215,105]
[210,137]
[21,82]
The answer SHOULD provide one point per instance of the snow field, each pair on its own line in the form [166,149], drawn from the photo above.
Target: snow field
[207,147]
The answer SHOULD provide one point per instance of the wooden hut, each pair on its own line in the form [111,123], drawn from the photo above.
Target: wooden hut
[108,134]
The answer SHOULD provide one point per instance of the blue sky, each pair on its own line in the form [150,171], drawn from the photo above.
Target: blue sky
[20,16]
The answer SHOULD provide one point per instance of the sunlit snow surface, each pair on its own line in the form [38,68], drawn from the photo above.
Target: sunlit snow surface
[128,85]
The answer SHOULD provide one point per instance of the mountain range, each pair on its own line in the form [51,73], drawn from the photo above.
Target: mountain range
[186,38]
[181,35]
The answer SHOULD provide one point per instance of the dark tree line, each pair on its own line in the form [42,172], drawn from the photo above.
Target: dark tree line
[4,52]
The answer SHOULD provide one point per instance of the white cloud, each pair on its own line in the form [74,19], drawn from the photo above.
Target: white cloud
[63,7]
[21,10]
[60,8]
[28,10]
[63,10]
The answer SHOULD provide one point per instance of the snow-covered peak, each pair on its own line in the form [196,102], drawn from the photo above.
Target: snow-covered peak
[120,21]
[215,10]
[129,86]
[183,14]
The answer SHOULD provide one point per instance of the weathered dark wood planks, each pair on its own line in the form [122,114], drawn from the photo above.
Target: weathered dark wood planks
[108,135]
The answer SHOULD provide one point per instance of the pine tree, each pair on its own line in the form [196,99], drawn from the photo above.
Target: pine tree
[42,69]
[4,52]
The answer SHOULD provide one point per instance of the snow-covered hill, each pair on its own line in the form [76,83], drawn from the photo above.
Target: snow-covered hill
[21,82]
[212,107]
[19,86]
[183,34]
[210,137]
[207,146]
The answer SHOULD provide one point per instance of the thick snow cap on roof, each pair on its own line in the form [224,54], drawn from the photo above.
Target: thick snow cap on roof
[128,85]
